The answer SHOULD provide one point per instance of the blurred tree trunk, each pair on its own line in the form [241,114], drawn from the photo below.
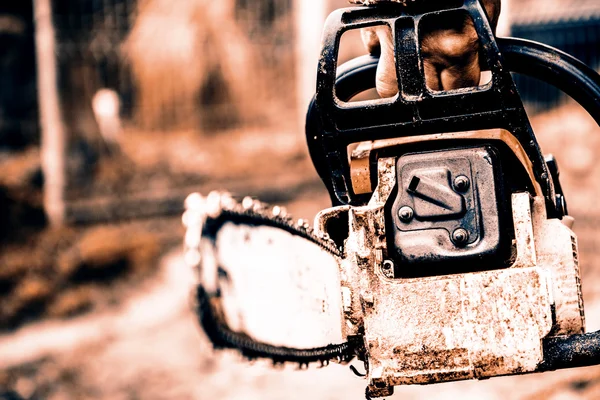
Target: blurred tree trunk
[53,144]
[310,18]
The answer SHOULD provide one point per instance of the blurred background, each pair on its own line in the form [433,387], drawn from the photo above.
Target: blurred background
[112,111]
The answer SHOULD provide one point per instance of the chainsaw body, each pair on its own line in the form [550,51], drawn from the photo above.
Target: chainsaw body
[479,324]
[448,253]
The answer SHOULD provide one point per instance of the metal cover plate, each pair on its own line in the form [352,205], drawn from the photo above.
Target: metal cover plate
[458,327]
[426,185]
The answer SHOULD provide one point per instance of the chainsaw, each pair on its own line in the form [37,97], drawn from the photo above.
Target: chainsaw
[447,253]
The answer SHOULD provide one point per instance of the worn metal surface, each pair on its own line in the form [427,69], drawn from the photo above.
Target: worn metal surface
[457,327]
[524,249]
[462,326]
[449,224]
[556,250]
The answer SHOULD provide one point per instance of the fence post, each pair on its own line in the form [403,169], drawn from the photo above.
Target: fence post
[310,18]
[505,18]
[51,124]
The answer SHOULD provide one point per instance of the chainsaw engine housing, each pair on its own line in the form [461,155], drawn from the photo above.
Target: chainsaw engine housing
[478,324]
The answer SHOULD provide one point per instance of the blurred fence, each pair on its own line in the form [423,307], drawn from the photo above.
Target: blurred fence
[194,64]
[137,72]
[18,98]
[579,36]
[160,66]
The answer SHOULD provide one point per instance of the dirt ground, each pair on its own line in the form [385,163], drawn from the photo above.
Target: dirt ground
[151,348]
[147,343]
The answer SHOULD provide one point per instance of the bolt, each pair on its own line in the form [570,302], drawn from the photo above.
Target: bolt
[460,237]
[388,268]
[406,214]
[462,183]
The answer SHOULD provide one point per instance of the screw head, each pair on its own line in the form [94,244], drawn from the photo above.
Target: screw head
[388,268]
[460,237]
[462,183]
[406,214]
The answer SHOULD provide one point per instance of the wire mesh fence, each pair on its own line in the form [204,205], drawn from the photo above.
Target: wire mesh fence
[132,71]
[191,64]
[18,101]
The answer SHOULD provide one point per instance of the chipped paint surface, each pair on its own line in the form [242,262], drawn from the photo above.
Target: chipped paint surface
[459,327]
[525,241]
[557,250]
[463,326]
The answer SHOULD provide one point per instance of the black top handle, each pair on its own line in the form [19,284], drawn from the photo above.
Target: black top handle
[333,124]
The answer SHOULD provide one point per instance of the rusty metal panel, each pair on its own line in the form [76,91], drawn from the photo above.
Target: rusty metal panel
[459,327]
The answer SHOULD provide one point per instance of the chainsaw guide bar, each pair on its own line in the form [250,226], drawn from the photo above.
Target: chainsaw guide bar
[252,213]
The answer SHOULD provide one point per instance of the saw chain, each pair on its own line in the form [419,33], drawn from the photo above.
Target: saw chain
[203,219]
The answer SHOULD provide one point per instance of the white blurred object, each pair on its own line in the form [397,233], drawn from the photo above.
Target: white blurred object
[504,22]
[310,18]
[107,105]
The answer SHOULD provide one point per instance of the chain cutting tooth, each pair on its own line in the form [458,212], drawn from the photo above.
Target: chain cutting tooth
[192,238]
[213,204]
[227,201]
[192,218]
[194,201]
[277,211]
[192,257]
[247,203]
[258,207]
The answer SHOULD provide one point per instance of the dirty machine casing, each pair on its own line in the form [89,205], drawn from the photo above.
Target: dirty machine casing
[447,253]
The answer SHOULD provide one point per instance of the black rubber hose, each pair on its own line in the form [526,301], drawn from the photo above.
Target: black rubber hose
[571,352]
